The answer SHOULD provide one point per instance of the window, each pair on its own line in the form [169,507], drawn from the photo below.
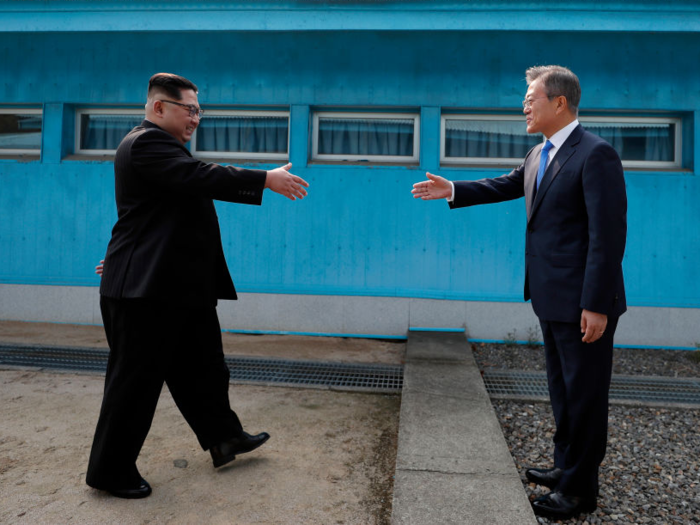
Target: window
[20,131]
[641,142]
[242,134]
[484,139]
[381,137]
[101,130]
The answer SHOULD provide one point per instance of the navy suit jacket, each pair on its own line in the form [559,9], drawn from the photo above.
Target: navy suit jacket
[576,226]
[166,243]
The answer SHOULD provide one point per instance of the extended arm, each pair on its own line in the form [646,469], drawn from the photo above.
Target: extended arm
[469,193]
[167,165]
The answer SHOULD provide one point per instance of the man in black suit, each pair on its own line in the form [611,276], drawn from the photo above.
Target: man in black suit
[575,241]
[162,276]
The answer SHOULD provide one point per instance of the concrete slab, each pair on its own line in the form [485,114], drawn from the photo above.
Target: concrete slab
[437,497]
[450,431]
[439,346]
[453,464]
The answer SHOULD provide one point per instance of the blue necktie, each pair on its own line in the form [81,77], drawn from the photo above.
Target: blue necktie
[543,162]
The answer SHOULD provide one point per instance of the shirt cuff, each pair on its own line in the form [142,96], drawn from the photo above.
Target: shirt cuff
[451,198]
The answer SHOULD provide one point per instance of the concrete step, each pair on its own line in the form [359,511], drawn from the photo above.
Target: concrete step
[453,463]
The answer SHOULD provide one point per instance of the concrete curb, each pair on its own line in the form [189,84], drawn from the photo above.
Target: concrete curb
[453,463]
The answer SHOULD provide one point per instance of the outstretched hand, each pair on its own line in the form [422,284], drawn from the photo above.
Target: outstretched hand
[435,187]
[281,181]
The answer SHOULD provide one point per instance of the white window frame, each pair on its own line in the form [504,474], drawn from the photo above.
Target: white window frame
[242,154]
[99,111]
[315,155]
[588,119]
[677,161]
[475,160]
[22,111]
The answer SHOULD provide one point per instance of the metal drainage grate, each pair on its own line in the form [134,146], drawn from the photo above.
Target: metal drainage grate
[644,389]
[339,376]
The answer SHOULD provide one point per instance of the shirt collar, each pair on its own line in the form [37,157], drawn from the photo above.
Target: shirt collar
[560,136]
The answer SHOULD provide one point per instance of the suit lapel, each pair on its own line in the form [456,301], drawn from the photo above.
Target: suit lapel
[531,166]
[560,158]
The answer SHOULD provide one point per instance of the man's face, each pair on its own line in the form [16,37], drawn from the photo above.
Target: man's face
[175,119]
[541,115]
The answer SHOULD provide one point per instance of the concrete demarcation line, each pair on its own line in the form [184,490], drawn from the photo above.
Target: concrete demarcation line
[453,464]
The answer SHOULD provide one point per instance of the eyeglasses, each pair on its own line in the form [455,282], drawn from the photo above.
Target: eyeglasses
[194,110]
[527,103]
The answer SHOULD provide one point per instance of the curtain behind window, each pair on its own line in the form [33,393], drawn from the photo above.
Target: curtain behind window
[641,141]
[367,136]
[249,134]
[510,140]
[105,132]
[488,139]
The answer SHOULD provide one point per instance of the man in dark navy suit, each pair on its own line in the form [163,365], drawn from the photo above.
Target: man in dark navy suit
[161,279]
[576,206]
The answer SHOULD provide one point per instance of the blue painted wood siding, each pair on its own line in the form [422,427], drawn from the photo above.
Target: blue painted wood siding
[359,231]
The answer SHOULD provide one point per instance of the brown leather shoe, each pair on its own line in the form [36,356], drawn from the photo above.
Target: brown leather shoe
[228,450]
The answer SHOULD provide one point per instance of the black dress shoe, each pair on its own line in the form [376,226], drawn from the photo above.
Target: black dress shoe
[558,506]
[142,491]
[226,452]
[549,477]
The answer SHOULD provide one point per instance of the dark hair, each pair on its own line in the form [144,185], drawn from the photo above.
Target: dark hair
[170,84]
[557,81]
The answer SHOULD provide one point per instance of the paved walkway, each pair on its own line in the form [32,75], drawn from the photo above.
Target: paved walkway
[453,463]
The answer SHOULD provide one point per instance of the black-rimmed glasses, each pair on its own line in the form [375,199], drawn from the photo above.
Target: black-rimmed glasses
[194,110]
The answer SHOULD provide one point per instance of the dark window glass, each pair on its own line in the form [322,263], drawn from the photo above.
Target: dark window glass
[20,131]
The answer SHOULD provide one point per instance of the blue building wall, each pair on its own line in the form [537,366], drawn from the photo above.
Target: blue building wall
[359,232]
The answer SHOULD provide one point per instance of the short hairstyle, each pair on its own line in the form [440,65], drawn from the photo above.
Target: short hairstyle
[170,84]
[557,81]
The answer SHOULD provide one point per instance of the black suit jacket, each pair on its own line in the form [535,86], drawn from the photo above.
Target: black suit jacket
[166,243]
[576,226]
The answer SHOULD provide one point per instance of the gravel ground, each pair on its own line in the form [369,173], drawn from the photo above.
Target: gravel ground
[651,473]
[626,361]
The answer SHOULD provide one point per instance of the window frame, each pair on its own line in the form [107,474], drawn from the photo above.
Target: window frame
[677,122]
[99,111]
[23,151]
[588,119]
[413,159]
[476,161]
[242,155]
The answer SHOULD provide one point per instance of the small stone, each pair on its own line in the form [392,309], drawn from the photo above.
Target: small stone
[180,463]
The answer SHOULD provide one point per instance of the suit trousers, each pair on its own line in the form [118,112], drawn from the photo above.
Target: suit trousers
[152,343]
[579,377]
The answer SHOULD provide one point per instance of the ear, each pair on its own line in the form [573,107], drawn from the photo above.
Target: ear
[562,104]
[158,108]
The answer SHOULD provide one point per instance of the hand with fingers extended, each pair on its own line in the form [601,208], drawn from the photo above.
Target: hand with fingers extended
[281,181]
[435,187]
[100,267]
